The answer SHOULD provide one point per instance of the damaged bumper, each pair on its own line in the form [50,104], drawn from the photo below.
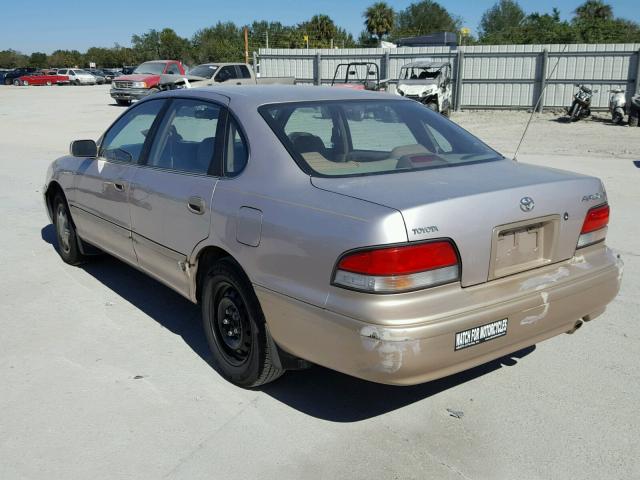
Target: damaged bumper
[129,93]
[413,337]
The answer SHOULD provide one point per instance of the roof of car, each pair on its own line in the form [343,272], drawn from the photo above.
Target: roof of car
[425,64]
[256,95]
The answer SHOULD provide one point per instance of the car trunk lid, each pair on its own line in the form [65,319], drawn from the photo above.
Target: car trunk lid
[504,217]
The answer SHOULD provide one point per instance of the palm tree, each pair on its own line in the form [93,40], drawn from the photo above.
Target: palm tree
[379,19]
[594,9]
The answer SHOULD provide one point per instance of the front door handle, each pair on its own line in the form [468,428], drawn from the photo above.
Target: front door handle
[195,205]
[118,186]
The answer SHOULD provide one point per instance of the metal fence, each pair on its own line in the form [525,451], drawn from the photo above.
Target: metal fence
[487,76]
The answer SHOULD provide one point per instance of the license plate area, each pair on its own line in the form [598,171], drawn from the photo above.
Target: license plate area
[521,246]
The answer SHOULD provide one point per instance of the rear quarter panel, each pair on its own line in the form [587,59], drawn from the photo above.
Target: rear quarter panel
[304,230]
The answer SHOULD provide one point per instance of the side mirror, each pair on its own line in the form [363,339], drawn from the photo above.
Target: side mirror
[83,148]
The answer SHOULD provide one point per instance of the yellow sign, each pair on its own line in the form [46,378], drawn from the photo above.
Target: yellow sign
[465,31]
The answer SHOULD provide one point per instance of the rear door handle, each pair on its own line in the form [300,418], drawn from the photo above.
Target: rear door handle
[195,205]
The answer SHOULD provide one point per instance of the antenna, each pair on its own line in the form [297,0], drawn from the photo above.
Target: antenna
[535,107]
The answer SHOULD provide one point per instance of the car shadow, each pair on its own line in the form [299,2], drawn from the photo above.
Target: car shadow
[318,391]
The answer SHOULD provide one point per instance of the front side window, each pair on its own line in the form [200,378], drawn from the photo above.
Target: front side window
[125,139]
[186,138]
[173,69]
[204,71]
[226,73]
[356,137]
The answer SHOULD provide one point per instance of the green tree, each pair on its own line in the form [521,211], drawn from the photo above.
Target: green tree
[222,42]
[38,59]
[12,59]
[545,28]
[321,31]
[146,46]
[365,40]
[424,17]
[500,23]
[172,46]
[66,58]
[379,20]
[594,10]
[594,22]
[278,35]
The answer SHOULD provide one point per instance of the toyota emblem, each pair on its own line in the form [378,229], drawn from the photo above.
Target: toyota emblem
[527,204]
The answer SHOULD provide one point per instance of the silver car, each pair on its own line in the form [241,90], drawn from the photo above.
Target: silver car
[354,230]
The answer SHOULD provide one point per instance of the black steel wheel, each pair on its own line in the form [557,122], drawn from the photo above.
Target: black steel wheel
[235,329]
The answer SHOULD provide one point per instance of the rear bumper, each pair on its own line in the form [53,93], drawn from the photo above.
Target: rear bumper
[129,93]
[417,350]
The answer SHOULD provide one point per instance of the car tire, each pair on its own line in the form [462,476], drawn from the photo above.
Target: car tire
[432,106]
[16,83]
[7,81]
[633,120]
[234,326]
[68,242]
[123,103]
[48,84]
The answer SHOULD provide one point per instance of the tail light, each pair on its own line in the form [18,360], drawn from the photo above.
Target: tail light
[594,228]
[398,268]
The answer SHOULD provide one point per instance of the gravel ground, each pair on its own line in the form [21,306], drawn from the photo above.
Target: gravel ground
[104,373]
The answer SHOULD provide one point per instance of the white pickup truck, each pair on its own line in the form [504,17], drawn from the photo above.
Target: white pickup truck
[209,74]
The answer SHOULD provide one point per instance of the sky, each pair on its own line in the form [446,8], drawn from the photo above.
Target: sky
[36,25]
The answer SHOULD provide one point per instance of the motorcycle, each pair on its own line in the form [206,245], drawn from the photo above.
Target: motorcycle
[634,110]
[617,103]
[581,106]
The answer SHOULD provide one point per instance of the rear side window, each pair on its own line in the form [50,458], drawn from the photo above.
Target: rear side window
[364,137]
[186,138]
[236,152]
[244,71]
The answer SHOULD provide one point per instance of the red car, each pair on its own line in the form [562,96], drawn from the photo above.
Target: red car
[41,78]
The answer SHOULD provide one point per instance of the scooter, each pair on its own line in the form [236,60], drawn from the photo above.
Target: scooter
[581,106]
[617,103]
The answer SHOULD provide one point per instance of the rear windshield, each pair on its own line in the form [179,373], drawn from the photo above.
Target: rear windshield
[365,137]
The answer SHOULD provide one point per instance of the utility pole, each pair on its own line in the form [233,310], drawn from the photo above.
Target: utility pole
[246,45]
[266,34]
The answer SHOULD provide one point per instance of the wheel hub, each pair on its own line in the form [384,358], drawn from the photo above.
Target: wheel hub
[230,325]
[64,232]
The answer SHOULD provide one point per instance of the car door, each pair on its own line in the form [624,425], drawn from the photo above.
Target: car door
[102,186]
[171,194]
[172,69]
[227,74]
[244,75]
